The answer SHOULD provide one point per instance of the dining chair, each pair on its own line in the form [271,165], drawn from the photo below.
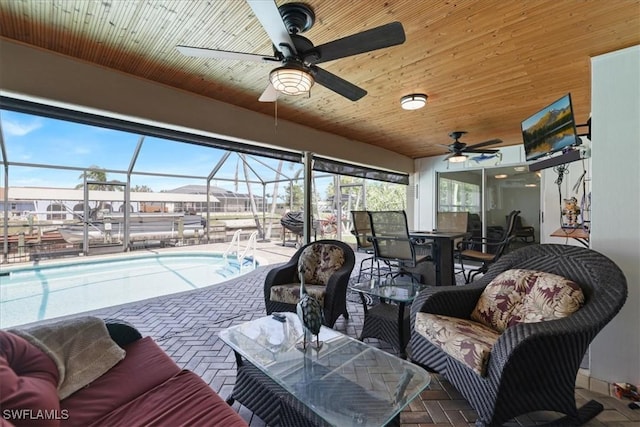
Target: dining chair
[393,246]
[361,229]
[470,249]
[454,222]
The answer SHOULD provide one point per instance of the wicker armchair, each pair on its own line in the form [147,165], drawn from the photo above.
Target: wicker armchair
[531,366]
[330,263]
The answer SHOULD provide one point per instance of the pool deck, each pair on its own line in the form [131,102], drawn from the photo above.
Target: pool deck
[185,325]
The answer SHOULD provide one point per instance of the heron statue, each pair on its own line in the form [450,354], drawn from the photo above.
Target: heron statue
[310,312]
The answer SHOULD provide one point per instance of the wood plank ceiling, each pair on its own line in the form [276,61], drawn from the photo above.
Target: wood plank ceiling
[485,64]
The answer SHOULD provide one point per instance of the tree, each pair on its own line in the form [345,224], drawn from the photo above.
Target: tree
[379,195]
[386,196]
[142,189]
[294,190]
[99,175]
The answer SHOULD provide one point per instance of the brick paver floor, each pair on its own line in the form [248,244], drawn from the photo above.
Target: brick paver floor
[186,326]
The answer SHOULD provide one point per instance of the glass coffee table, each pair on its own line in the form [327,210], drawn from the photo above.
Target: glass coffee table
[345,383]
[388,320]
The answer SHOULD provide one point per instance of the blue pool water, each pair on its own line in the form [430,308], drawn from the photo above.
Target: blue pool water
[43,292]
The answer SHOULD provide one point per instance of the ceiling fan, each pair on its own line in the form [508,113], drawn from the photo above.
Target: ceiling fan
[298,55]
[458,149]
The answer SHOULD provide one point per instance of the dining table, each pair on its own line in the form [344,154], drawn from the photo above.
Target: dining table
[442,243]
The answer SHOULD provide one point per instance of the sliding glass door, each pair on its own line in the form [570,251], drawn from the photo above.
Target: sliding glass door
[490,194]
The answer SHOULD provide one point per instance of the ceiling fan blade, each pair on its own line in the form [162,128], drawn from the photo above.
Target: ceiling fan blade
[337,84]
[376,38]
[223,54]
[269,16]
[270,94]
[484,144]
[486,151]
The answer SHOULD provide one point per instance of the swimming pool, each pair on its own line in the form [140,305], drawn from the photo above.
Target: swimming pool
[43,292]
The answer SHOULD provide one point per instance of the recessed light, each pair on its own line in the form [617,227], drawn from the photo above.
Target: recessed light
[501,176]
[519,168]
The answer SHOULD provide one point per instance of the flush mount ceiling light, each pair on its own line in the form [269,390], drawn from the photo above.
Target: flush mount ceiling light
[458,158]
[413,101]
[501,176]
[291,79]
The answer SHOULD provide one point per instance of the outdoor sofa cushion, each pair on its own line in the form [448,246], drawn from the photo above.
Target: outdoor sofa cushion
[28,384]
[145,367]
[466,341]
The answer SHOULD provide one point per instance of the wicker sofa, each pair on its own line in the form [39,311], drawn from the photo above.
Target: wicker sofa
[112,377]
[530,361]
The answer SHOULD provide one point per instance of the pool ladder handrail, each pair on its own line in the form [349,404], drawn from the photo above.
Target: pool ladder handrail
[240,256]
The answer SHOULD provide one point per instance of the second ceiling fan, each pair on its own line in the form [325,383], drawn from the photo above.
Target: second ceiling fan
[298,56]
[458,149]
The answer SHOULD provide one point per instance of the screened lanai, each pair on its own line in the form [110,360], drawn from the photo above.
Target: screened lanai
[69,177]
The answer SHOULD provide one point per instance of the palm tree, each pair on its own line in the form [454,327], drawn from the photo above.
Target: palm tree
[98,178]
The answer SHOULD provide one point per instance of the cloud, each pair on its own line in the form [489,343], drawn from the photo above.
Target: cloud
[16,128]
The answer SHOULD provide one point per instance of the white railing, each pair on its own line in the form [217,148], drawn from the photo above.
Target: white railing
[234,248]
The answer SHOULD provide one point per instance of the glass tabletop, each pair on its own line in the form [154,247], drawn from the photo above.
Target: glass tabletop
[346,382]
[389,289]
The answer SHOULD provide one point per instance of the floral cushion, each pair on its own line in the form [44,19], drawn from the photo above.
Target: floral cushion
[466,341]
[525,296]
[290,293]
[320,261]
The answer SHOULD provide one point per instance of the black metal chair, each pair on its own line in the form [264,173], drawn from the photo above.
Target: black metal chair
[524,232]
[393,246]
[470,249]
[532,366]
[282,285]
[362,231]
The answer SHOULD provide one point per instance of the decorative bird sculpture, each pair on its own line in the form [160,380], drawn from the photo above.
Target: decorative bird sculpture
[310,313]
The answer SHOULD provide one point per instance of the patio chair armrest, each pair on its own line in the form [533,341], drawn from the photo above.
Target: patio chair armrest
[454,301]
[286,273]
[567,339]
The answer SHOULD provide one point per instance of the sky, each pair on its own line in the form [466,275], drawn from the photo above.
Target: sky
[40,140]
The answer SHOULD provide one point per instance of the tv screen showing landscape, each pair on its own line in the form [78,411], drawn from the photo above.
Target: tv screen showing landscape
[550,130]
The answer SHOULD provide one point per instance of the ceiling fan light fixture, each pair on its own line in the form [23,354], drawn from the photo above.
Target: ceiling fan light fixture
[414,101]
[291,79]
[458,158]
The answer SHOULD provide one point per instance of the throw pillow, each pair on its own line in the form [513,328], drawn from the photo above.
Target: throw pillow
[521,296]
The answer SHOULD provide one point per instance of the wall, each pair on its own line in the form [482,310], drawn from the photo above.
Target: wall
[615,107]
[71,83]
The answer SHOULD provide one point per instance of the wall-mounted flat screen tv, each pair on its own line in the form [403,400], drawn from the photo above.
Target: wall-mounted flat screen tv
[550,130]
